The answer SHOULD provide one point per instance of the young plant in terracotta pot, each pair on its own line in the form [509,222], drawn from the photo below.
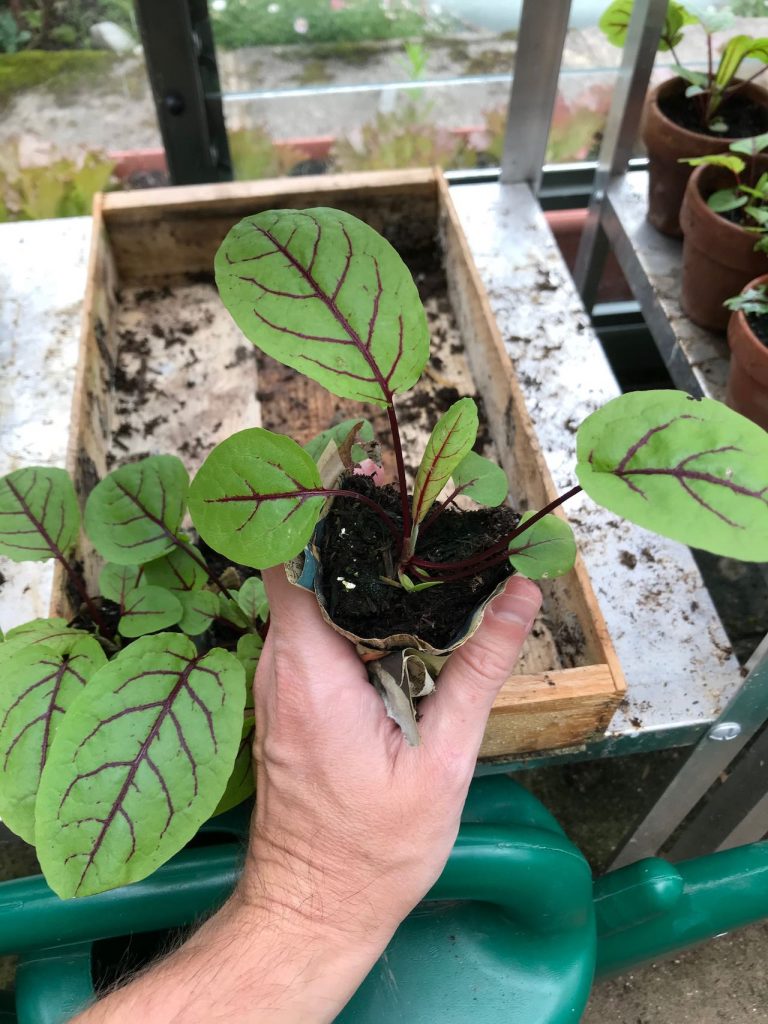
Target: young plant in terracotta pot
[114,746]
[725,226]
[696,113]
[747,390]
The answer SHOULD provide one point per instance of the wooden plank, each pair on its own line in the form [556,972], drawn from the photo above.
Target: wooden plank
[508,416]
[550,704]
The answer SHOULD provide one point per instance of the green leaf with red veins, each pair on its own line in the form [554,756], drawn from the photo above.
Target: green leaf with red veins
[39,685]
[117,581]
[148,610]
[545,550]
[199,608]
[54,633]
[690,469]
[252,598]
[133,515]
[339,434]
[39,514]
[140,761]
[324,293]
[231,612]
[241,783]
[482,480]
[178,571]
[449,443]
[255,498]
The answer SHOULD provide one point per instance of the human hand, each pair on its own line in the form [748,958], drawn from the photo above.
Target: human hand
[352,825]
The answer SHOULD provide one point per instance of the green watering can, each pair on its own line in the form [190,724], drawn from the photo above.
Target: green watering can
[515,930]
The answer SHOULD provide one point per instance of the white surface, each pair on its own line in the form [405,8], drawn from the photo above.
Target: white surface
[669,639]
[42,283]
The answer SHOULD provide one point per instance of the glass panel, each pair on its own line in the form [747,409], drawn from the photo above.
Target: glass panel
[74,98]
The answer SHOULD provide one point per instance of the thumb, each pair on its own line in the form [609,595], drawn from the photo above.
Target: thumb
[457,713]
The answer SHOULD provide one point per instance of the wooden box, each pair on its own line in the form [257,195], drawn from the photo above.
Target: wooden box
[162,368]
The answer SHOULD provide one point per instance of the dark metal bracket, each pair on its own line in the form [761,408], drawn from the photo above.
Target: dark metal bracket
[181,64]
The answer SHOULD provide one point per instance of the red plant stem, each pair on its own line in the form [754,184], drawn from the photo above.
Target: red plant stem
[441,508]
[733,89]
[398,447]
[710,69]
[198,559]
[500,545]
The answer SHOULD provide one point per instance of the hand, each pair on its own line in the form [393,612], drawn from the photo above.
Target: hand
[353,826]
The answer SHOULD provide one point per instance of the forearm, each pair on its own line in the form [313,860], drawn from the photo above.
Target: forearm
[246,964]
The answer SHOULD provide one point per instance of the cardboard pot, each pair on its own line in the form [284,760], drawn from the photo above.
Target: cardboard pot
[666,143]
[747,390]
[718,256]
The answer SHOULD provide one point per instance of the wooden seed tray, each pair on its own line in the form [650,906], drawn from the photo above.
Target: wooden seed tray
[163,369]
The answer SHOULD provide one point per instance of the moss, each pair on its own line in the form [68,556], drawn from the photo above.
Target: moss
[62,69]
[313,72]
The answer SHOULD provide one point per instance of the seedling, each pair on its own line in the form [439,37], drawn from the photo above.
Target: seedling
[749,192]
[712,87]
[114,750]
[118,741]
[752,302]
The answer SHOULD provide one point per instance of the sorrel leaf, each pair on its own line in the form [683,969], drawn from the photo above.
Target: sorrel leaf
[339,433]
[230,611]
[252,598]
[148,610]
[177,571]
[727,160]
[241,783]
[614,22]
[133,515]
[324,293]
[39,514]
[198,610]
[736,50]
[138,763]
[482,480]
[255,498]
[39,684]
[117,581]
[692,470]
[448,444]
[249,648]
[54,633]
[545,550]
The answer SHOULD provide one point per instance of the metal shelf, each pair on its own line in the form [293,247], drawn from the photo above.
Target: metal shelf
[697,359]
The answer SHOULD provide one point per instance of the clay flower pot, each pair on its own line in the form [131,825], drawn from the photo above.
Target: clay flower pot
[747,390]
[667,142]
[718,256]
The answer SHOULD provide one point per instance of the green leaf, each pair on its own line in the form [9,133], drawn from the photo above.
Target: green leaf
[199,609]
[148,610]
[545,550]
[737,49]
[139,762]
[54,633]
[450,441]
[230,611]
[252,599]
[253,501]
[413,588]
[718,125]
[241,782]
[339,434]
[753,300]
[481,479]
[758,214]
[751,146]
[249,648]
[726,199]
[690,469]
[615,20]
[324,293]
[714,20]
[39,515]
[132,516]
[117,581]
[732,163]
[39,685]
[179,570]
[697,78]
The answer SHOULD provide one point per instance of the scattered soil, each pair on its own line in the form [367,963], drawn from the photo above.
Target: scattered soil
[356,550]
[759,327]
[743,117]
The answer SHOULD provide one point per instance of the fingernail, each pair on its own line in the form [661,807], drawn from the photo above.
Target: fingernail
[514,610]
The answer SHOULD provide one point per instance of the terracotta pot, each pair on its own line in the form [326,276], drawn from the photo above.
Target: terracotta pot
[718,256]
[747,390]
[666,143]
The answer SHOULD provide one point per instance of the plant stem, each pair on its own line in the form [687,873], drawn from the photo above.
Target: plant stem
[398,447]
[79,586]
[475,561]
[198,559]
[442,507]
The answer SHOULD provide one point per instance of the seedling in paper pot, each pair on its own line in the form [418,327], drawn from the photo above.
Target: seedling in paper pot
[115,746]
